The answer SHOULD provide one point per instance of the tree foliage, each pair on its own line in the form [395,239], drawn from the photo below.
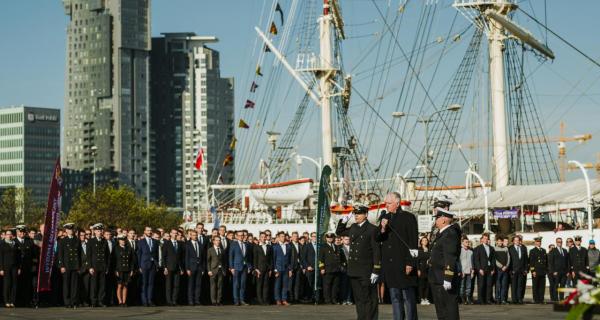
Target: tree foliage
[119,206]
[17,206]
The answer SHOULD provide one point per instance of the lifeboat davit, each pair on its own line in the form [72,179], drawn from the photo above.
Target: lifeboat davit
[282,193]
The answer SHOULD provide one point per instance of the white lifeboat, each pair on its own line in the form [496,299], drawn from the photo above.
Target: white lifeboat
[282,193]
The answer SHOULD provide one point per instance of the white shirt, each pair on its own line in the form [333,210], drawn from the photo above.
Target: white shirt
[282,247]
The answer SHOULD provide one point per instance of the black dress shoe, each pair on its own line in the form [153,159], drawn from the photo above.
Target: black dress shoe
[151,304]
[101,305]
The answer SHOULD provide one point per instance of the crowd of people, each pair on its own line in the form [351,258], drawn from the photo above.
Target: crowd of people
[360,264]
[496,269]
[99,267]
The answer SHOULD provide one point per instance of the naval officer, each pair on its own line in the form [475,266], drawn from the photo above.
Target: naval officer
[364,263]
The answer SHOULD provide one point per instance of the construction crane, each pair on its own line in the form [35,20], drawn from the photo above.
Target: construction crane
[561,140]
[589,165]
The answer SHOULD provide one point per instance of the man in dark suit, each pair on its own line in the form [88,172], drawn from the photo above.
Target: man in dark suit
[98,258]
[263,262]
[443,262]
[399,239]
[558,270]
[173,260]
[295,280]
[282,254]
[111,279]
[216,266]
[484,263]
[195,268]
[27,251]
[519,264]
[10,268]
[365,262]
[239,267]
[578,258]
[308,254]
[69,262]
[133,296]
[147,259]
[84,273]
[330,264]
[538,262]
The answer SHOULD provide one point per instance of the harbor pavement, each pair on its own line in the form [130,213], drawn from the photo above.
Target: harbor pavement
[304,312]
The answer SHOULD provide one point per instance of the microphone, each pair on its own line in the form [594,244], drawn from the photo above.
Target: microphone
[384,215]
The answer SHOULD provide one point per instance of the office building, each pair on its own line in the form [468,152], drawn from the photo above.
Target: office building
[106,94]
[191,108]
[29,148]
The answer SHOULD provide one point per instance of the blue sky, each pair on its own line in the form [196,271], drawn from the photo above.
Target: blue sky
[32,52]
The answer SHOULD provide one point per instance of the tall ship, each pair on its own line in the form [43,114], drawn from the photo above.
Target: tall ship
[425,98]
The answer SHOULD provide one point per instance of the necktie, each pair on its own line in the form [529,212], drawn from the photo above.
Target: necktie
[149,243]
[243,249]
[201,240]
[175,245]
[195,247]
[218,252]
[519,251]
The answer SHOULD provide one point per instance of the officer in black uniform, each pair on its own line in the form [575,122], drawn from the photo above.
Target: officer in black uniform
[445,252]
[578,258]
[28,253]
[538,264]
[98,255]
[69,262]
[330,265]
[364,263]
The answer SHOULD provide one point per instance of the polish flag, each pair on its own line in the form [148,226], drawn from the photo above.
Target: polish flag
[199,159]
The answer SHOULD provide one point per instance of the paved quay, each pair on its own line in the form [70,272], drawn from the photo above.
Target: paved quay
[304,312]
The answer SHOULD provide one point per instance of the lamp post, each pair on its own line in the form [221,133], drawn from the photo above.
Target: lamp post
[425,120]
[486,217]
[94,152]
[589,196]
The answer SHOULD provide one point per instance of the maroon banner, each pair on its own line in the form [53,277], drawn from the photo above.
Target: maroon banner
[50,227]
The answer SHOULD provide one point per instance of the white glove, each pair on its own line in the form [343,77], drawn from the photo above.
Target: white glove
[447,285]
[414,252]
[347,217]
[374,278]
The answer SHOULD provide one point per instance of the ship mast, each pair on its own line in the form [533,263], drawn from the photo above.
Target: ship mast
[491,16]
[325,73]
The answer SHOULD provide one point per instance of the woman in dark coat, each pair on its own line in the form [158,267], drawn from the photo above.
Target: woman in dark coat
[123,269]
[423,269]
[9,268]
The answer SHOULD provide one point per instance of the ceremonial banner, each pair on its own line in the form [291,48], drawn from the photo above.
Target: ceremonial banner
[51,224]
[323,214]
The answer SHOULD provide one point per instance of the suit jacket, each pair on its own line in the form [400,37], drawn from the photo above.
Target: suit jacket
[238,260]
[123,258]
[578,259]
[538,261]
[216,262]
[445,254]
[330,258]
[296,258]
[194,261]
[147,257]
[282,262]
[28,253]
[481,261]
[263,261]
[307,256]
[69,253]
[173,259]
[558,262]
[365,250]
[85,261]
[97,254]
[395,253]
[134,248]
[516,264]
[9,256]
